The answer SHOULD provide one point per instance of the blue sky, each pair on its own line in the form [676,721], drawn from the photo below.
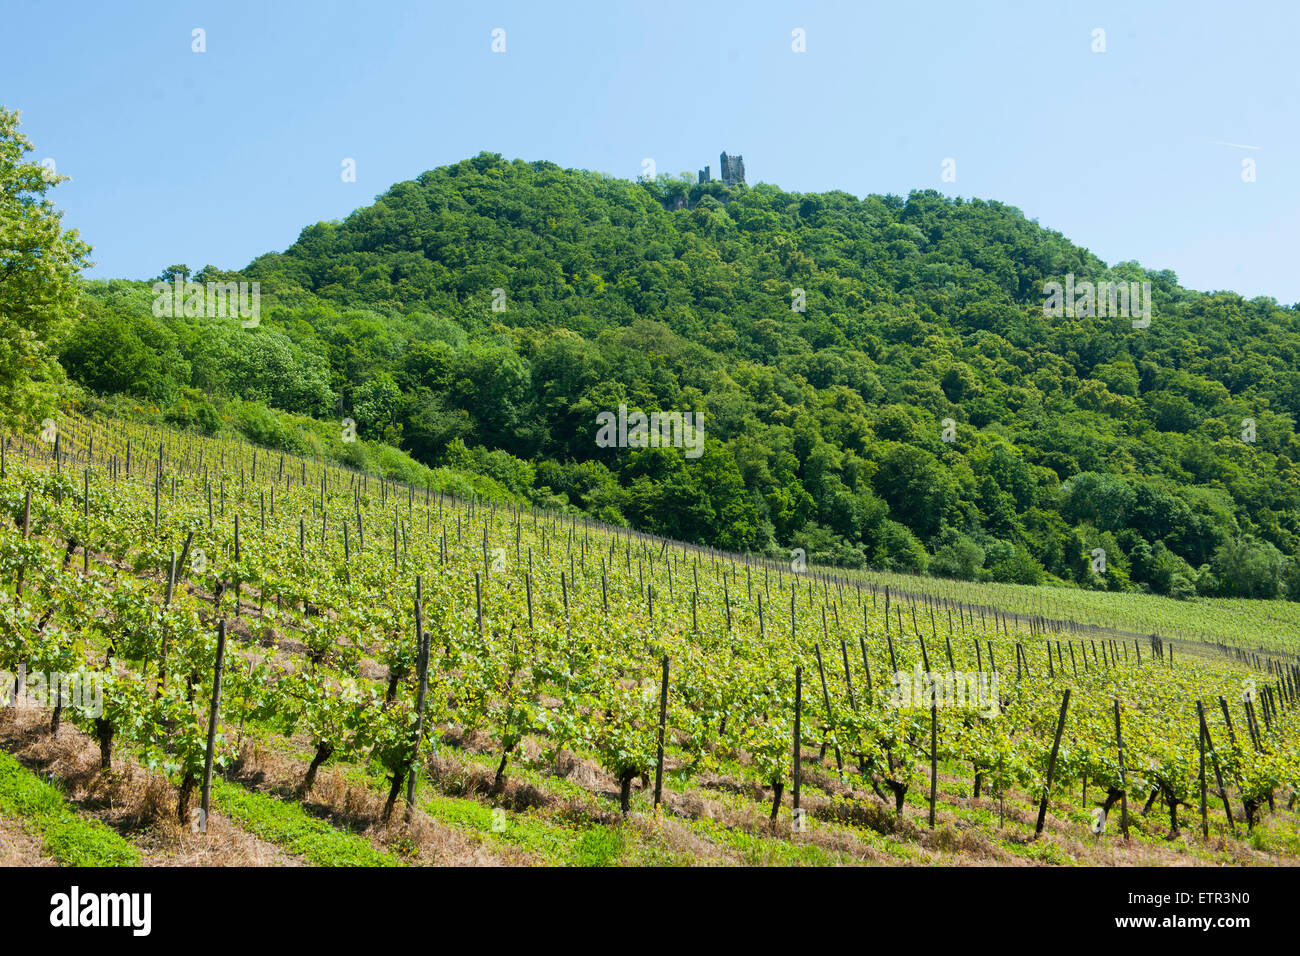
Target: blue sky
[216,157]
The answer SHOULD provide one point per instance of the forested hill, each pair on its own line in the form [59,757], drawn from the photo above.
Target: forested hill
[483,315]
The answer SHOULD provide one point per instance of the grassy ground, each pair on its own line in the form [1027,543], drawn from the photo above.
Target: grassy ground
[568,817]
[66,836]
[288,825]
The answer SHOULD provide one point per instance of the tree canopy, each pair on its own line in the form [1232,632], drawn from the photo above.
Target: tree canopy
[879,381]
[39,265]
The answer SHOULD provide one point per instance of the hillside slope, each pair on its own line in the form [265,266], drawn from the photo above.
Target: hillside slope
[484,315]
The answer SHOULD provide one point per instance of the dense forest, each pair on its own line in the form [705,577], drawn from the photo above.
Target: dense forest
[483,315]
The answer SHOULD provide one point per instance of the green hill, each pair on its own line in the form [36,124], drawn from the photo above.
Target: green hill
[482,316]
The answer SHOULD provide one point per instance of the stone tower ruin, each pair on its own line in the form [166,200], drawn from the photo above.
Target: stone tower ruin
[733,170]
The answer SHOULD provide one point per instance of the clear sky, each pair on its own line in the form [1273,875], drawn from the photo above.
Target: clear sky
[217,157]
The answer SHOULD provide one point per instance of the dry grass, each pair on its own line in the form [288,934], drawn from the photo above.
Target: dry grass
[137,803]
[20,848]
[357,808]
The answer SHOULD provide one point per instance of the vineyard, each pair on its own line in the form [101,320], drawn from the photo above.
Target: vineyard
[304,664]
[1270,627]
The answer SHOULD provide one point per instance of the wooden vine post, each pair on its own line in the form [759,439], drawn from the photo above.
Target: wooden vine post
[826,699]
[478,602]
[422,664]
[27,533]
[1051,763]
[798,754]
[85,542]
[663,717]
[212,721]
[934,755]
[1200,740]
[1123,785]
[1214,759]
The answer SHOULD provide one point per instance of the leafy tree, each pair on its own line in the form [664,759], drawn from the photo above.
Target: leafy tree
[959,558]
[918,492]
[375,408]
[1019,567]
[1248,568]
[1098,499]
[133,354]
[39,265]
[897,549]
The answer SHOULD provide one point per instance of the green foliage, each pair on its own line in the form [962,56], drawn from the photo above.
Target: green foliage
[959,558]
[1250,569]
[921,393]
[39,265]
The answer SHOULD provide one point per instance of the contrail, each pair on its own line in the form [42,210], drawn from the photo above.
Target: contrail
[1218,142]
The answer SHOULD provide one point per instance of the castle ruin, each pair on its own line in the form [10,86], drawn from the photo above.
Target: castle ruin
[733,170]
